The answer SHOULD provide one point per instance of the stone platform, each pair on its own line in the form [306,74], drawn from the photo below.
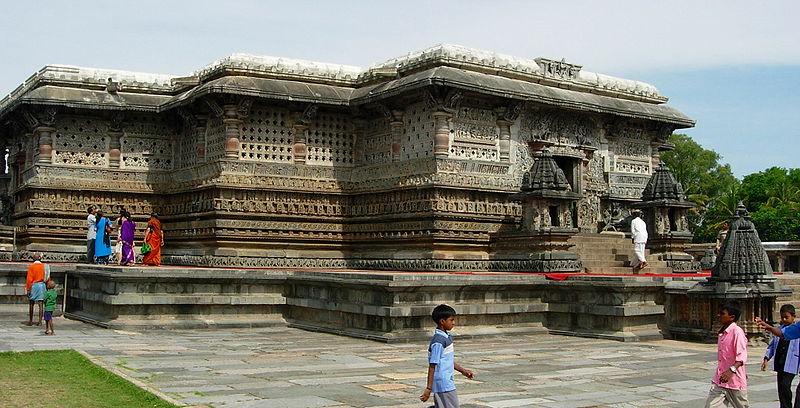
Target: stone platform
[383,306]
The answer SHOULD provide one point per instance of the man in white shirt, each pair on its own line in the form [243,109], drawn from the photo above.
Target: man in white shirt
[91,234]
[639,236]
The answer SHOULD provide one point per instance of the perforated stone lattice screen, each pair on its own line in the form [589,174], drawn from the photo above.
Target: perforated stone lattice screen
[80,141]
[266,136]
[330,140]
[187,147]
[146,144]
[418,138]
[215,139]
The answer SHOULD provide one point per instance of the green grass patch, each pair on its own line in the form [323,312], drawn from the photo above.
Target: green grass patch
[66,379]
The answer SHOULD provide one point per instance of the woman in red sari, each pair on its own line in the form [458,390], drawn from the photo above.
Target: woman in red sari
[155,238]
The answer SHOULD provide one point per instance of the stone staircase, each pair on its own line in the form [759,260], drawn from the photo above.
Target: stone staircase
[611,254]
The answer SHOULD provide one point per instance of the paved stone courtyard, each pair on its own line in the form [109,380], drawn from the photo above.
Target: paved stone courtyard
[283,367]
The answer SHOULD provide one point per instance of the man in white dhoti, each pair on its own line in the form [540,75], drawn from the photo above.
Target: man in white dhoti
[639,236]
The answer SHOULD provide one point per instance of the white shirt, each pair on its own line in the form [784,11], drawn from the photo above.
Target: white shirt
[91,223]
[638,231]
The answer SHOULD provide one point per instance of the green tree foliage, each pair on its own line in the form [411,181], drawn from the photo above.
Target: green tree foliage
[707,183]
[773,197]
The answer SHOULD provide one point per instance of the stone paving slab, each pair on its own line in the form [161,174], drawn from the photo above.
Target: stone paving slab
[285,367]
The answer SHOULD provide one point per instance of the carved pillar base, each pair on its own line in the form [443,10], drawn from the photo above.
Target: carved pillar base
[45,144]
[232,124]
[114,149]
[441,136]
[299,148]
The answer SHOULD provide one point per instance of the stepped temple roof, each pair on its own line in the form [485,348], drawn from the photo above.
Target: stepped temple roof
[742,258]
[540,80]
[545,178]
[663,189]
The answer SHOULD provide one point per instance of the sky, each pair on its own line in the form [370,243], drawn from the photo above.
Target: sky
[734,66]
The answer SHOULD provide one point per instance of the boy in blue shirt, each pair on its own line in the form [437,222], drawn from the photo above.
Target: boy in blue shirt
[787,357]
[441,361]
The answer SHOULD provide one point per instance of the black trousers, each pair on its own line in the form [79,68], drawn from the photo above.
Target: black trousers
[785,390]
[90,251]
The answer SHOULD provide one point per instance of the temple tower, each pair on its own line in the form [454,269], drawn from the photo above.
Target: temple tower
[665,209]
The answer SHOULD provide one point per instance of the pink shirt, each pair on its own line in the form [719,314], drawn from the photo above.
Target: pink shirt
[731,347]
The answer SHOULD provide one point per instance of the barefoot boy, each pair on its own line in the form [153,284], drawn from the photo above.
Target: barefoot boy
[441,361]
[50,298]
[730,378]
[786,354]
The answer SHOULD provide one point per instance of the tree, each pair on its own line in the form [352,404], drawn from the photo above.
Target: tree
[710,185]
[773,197]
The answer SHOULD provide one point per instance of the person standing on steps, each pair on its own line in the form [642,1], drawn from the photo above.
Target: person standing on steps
[639,236]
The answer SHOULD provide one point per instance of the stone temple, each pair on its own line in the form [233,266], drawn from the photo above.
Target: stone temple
[423,162]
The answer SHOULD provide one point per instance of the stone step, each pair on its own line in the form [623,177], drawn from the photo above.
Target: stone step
[589,263]
[625,270]
[605,257]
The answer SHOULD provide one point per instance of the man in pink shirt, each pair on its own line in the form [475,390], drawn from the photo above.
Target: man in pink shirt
[730,379]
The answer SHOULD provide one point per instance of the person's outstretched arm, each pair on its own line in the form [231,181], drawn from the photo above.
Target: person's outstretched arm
[789,332]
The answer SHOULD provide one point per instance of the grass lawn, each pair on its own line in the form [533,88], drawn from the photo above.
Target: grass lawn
[66,379]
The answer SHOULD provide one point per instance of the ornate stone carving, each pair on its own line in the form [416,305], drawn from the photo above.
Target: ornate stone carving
[557,127]
[558,69]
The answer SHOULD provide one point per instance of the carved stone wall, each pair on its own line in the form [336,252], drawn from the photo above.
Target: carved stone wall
[630,160]
[374,184]
[475,133]
[375,144]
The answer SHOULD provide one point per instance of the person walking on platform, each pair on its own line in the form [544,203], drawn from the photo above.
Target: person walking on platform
[639,236]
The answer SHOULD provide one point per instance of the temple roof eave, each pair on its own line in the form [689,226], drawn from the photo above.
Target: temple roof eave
[521,90]
[664,203]
[275,89]
[87,99]
[289,90]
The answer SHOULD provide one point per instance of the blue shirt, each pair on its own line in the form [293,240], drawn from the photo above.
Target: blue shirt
[442,353]
[791,331]
[792,358]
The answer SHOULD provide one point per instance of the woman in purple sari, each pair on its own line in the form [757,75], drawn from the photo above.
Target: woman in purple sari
[126,235]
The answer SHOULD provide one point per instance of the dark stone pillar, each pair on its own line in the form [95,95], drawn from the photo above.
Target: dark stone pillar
[396,124]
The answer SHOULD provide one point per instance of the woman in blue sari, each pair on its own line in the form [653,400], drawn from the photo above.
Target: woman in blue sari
[102,244]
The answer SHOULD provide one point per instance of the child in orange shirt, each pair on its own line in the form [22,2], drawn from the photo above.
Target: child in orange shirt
[35,287]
